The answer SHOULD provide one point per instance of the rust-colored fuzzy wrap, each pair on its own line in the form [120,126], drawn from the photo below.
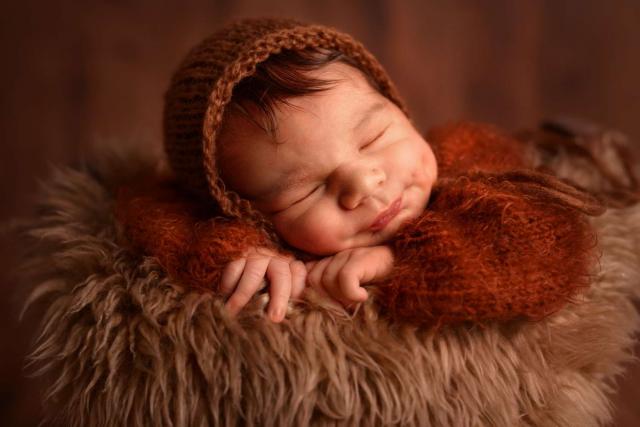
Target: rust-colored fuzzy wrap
[203,85]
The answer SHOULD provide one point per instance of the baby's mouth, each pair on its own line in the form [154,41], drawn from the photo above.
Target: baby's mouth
[387,215]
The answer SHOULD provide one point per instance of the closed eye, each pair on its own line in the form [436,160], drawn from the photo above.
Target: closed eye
[277,211]
[307,195]
[375,138]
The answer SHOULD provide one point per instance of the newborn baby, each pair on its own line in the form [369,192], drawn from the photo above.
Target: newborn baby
[345,169]
[299,138]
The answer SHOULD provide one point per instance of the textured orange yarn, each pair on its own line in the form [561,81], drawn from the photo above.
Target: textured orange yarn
[468,147]
[495,243]
[192,244]
[483,250]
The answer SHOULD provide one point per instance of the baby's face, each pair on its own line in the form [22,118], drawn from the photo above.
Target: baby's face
[340,159]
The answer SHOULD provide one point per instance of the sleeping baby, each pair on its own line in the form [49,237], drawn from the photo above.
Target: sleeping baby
[294,163]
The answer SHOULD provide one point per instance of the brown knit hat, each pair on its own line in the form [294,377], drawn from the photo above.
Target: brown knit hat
[203,85]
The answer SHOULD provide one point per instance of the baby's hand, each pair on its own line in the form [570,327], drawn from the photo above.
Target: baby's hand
[243,277]
[341,275]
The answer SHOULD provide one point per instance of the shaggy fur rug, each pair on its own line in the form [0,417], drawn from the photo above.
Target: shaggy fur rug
[121,345]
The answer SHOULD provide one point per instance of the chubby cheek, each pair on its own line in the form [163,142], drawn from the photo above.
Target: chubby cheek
[318,231]
[414,167]
[419,160]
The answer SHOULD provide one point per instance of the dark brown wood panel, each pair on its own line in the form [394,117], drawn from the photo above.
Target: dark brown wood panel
[76,75]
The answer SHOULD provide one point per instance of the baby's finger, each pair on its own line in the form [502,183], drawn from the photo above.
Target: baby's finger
[330,273]
[231,274]
[279,277]
[250,282]
[314,276]
[298,278]
[349,284]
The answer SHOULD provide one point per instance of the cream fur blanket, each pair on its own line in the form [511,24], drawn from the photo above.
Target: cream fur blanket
[121,345]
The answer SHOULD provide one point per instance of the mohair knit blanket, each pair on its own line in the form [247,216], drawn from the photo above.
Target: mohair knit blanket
[121,345]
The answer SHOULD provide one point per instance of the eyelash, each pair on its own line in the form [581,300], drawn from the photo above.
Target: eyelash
[297,201]
[308,194]
[375,138]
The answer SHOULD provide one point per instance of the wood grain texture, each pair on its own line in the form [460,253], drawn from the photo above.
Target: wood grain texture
[76,75]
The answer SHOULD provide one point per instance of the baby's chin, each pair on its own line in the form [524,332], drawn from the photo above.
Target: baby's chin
[328,245]
[321,250]
[363,239]
[313,247]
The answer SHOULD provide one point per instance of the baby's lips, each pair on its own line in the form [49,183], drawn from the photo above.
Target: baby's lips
[385,217]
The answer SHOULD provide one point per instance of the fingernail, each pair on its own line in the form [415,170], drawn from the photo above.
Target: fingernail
[276,315]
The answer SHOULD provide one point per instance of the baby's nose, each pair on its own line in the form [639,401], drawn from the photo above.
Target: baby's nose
[359,184]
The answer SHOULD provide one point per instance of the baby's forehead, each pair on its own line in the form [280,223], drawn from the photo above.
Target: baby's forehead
[310,132]
[306,118]
[340,79]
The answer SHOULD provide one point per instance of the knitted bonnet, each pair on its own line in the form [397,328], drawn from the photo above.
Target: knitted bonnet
[203,85]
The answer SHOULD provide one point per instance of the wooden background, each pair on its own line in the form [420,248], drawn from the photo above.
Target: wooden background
[76,75]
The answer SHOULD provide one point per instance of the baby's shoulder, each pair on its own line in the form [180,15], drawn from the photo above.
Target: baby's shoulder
[471,146]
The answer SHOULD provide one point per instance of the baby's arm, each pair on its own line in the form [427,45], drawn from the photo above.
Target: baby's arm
[227,256]
[492,247]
